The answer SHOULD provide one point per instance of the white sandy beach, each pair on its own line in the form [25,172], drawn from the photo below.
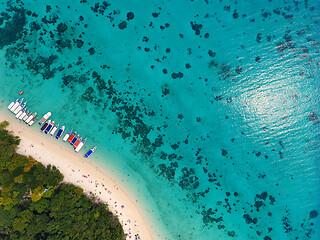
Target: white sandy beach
[78,171]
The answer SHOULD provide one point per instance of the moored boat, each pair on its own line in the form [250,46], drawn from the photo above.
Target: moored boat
[31,117]
[12,103]
[26,116]
[32,121]
[23,114]
[77,142]
[78,148]
[67,135]
[45,125]
[16,105]
[19,113]
[44,118]
[49,127]
[90,152]
[54,130]
[60,132]
[20,107]
[72,137]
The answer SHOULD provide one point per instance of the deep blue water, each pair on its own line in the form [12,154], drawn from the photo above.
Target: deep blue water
[208,111]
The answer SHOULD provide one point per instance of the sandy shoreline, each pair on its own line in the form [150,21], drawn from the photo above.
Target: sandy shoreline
[78,171]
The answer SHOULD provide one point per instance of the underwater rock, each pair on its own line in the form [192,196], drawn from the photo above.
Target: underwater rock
[34,26]
[313,117]
[313,214]
[40,64]
[259,37]
[177,75]
[196,27]
[91,51]
[61,44]
[88,95]
[224,152]
[258,205]
[168,172]
[287,16]
[123,25]
[79,43]
[250,220]
[207,217]
[262,196]
[281,46]
[211,53]
[155,14]
[62,27]
[235,14]
[225,71]
[266,14]
[130,16]
[239,70]
[165,91]
[188,180]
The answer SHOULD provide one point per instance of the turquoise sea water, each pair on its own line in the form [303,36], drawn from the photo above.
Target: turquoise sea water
[207,111]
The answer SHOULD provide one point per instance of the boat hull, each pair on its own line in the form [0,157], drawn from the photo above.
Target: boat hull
[19,114]
[22,115]
[31,117]
[44,126]
[18,109]
[14,106]
[60,132]
[11,104]
[31,122]
[26,117]
[78,148]
[44,118]
[66,137]
[54,130]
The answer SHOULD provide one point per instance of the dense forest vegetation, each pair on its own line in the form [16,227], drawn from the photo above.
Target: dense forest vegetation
[34,204]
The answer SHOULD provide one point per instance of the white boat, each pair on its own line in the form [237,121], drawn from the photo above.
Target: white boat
[44,118]
[23,114]
[78,148]
[32,121]
[18,109]
[12,103]
[31,117]
[67,135]
[16,105]
[54,130]
[26,116]
[20,113]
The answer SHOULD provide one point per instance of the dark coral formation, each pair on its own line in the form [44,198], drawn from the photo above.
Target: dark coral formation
[13,28]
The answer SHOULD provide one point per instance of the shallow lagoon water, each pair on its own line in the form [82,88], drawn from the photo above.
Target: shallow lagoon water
[208,112]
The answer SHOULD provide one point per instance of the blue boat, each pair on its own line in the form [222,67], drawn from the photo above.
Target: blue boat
[60,132]
[74,139]
[49,127]
[90,152]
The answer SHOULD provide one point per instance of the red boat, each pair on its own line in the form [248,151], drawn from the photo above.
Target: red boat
[72,137]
